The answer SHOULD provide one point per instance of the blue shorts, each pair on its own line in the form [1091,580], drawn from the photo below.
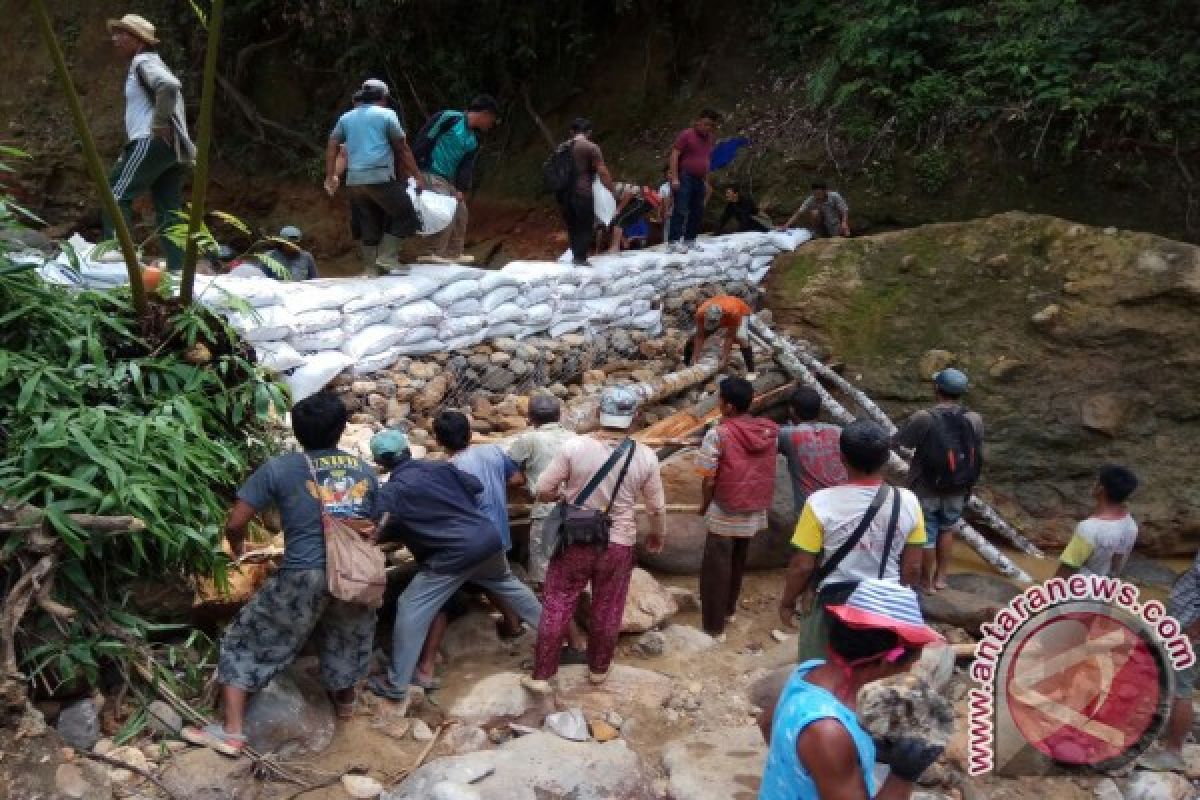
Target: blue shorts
[941,514]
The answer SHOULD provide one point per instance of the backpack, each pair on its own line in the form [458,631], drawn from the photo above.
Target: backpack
[951,454]
[427,137]
[559,169]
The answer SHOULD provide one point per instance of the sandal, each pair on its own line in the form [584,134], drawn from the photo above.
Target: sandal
[430,684]
[381,686]
[215,737]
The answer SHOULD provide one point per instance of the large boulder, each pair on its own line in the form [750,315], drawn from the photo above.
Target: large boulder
[79,724]
[684,546]
[647,605]
[960,609]
[291,716]
[498,696]
[723,764]
[202,774]
[540,765]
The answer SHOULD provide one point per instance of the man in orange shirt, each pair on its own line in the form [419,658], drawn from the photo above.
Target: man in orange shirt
[728,313]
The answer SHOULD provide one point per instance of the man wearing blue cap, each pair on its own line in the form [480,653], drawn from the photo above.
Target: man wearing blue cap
[433,508]
[947,443]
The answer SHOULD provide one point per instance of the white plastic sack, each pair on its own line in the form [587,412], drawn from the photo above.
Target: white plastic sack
[396,290]
[415,314]
[591,292]
[452,293]
[376,363]
[301,296]
[278,356]
[423,333]
[567,326]
[650,321]
[422,348]
[537,295]
[498,297]
[603,202]
[445,274]
[316,372]
[468,306]
[266,324]
[541,272]
[371,340]
[435,210]
[453,327]
[540,314]
[494,279]
[504,329]
[355,321]
[328,339]
[317,320]
[219,292]
[462,342]
[508,312]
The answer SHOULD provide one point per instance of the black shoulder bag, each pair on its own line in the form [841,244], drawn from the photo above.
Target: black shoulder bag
[569,522]
[837,592]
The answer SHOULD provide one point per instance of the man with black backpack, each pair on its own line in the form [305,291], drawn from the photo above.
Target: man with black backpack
[948,456]
[863,529]
[568,175]
[446,149]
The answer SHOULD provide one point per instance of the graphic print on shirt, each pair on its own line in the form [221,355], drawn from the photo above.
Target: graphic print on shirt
[341,491]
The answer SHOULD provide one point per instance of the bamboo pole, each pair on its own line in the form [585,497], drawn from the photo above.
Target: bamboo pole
[91,158]
[786,356]
[203,145]
[989,515]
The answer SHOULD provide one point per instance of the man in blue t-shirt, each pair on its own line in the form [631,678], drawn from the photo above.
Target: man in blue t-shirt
[378,165]
[447,149]
[294,604]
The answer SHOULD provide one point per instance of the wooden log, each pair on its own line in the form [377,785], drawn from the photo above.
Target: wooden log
[786,356]
[585,416]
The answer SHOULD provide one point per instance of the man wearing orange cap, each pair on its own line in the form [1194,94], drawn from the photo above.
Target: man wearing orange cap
[158,151]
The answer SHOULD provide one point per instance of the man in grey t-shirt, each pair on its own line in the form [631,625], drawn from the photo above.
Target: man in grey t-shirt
[289,257]
[295,604]
[823,212]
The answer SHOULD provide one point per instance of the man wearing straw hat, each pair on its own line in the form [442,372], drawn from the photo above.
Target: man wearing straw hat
[158,149]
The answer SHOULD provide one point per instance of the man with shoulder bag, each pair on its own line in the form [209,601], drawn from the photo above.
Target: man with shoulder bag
[863,529]
[591,535]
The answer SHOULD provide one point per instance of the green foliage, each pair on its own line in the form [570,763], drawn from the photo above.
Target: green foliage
[1093,74]
[933,169]
[103,413]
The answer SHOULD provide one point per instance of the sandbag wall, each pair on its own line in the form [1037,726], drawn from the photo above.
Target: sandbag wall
[312,331]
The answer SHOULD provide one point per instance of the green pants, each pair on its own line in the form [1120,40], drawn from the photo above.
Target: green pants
[150,165]
[813,639]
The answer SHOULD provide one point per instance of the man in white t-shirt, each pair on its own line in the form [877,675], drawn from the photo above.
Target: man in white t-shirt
[889,548]
[1103,541]
[158,151]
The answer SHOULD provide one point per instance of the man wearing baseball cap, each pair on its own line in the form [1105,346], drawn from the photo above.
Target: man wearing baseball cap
[158,150]
[947,441]
[617,470]
[723,313]
[817,746]
[287,260]
[378,164]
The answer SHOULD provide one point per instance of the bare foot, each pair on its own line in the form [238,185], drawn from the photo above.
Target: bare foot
[940,583]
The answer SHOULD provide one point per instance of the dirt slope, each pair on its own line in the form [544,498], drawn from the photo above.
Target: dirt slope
[1080,343]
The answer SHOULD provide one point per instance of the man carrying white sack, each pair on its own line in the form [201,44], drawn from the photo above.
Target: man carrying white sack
[376,149]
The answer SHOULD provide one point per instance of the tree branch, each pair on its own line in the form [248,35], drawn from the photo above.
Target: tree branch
[260,122]
[537,120]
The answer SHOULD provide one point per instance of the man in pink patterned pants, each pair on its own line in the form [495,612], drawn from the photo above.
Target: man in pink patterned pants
[608,569]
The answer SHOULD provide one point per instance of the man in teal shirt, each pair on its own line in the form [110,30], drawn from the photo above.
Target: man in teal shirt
[446,149]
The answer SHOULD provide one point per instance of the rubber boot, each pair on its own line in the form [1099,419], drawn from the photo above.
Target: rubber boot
[389,251]
[369,255]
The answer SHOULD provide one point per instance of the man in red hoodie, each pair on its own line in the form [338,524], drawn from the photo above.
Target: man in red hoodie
[737,461]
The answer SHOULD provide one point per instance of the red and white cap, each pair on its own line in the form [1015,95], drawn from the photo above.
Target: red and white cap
[886,605]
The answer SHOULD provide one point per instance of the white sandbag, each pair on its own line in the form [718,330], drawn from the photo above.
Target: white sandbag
[541,272]
[376,363]
[277,356]
[790,239]
[318,341]
[453,327]
[640,306]
[509,330]
[371,340]
[355,321]
[434,210]
[224,291]
[761,262]
[567,257]
[606,309]
[301,296]
[540,314]
[316,372]
[317,320]
[757,275]
[566,326]
[468,306]
[494,279]
[462,342]
[591,292]
[509,312]
[645,291]
[395,290]
[603,203]
[450,294]
[537,295]
[744,260]
[422,348]
[499,296]
[649,321]
[417,313]
[445,274]
[422,333]
[266,324]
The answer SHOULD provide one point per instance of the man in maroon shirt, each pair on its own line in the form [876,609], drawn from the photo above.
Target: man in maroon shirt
[688,174]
